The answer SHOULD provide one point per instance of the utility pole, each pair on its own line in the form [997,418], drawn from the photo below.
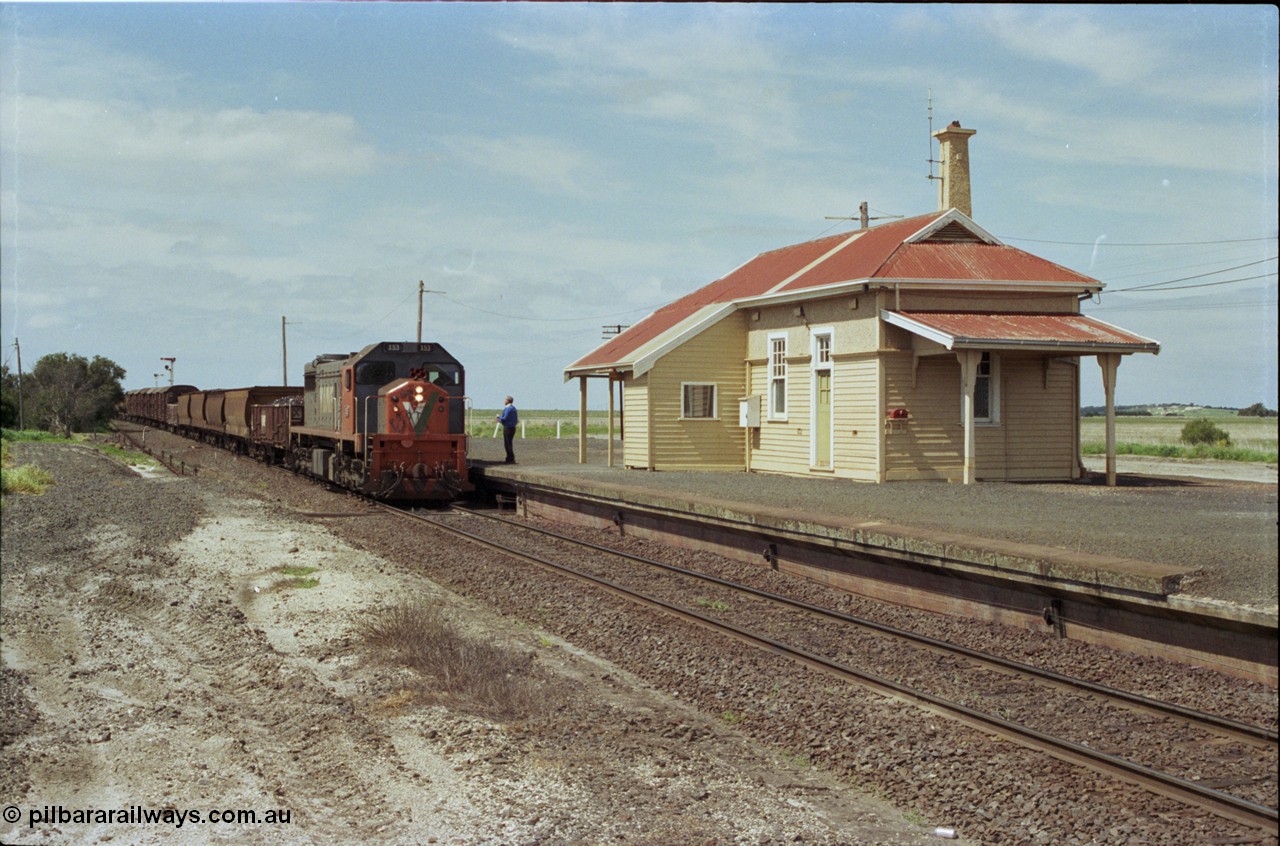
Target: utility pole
[422,289]
[169,367]
[284,354]
[22,421]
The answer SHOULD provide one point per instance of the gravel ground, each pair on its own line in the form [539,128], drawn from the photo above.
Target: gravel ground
[156,654]
[1223,530]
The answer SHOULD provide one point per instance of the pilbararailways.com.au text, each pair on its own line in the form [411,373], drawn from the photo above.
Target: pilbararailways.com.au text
[139,815]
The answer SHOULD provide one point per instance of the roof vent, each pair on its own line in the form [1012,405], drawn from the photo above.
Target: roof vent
[953,233]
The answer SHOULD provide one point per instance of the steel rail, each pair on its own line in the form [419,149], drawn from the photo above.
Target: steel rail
[1223,725]
[1214,801]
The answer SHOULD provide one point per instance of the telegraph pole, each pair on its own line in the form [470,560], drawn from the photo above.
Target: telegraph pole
[284,354]
[22,423]
[422,289]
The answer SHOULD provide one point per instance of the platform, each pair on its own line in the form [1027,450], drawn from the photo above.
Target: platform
[1048,557]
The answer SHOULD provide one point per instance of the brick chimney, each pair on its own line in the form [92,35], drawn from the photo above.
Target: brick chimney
[953,152]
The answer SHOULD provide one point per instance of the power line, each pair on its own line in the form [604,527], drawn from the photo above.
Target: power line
[1202,284]
[1181,306]
[1102,243]
[1200,276]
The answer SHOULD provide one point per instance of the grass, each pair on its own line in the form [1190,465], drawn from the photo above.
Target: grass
[126,456]
[26,478]
[298,571]
[711,604]
[23,478]
[1252,438]
[293,584]
[472,673]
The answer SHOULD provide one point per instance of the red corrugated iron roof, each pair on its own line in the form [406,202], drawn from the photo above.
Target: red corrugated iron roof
[755,277]
[864,257]
[986,329]
[881,252]
[972,261]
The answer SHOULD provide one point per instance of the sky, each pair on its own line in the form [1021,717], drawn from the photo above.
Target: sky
[177,178]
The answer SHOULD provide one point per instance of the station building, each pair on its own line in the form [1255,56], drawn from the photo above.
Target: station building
[924,348]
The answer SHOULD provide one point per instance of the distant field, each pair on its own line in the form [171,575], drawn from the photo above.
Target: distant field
[1252,438]
[1260,433]
[542,423]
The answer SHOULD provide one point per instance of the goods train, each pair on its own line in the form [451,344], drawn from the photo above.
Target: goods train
[387,421]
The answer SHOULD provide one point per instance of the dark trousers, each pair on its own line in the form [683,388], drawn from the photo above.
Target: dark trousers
[509,435]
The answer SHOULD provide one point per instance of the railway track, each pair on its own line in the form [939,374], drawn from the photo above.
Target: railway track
[1165,748]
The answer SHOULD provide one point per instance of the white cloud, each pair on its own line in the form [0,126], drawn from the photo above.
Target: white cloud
[1122,50]
[713,75]
[227,146]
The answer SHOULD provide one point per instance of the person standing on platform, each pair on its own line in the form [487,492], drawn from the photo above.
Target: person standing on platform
[509,418]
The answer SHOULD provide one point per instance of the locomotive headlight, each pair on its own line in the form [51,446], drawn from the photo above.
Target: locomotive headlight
[418,391]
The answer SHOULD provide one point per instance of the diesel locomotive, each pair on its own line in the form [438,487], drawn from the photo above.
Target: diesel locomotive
[387,421]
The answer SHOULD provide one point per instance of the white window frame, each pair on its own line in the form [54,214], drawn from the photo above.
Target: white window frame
[777,364]
[992,377]
[684,401]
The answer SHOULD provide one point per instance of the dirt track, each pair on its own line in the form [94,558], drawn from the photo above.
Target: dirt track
[155,657]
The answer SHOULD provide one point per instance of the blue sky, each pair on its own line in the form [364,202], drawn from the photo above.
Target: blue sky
[176,177]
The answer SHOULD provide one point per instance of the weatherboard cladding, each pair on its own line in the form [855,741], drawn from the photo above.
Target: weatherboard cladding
[881,252]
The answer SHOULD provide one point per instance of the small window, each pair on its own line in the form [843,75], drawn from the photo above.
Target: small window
[823,344]
[986,390]
[777,377]
[698,401]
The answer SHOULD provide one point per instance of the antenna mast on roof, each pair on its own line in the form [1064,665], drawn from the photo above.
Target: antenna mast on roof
[864,217]
[932,161]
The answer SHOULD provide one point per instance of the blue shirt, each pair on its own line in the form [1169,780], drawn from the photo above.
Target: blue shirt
[509,417]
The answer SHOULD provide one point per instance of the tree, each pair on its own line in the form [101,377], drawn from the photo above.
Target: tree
[8,398]
[73,394]
[1256,410]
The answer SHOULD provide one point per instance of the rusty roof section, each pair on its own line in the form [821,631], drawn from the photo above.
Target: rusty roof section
[1003,330]
[938,247]
[755,277]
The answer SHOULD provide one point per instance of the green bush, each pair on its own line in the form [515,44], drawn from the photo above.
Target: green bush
[1202,431]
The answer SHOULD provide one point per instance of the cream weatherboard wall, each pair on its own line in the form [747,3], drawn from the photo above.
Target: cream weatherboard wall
[786,444]
[635,411]
[712,356]
[1035,437]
